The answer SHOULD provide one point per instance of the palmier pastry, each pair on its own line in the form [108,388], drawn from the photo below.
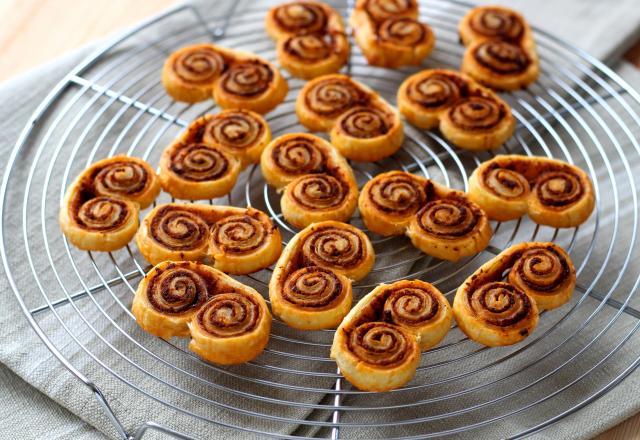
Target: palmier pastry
[228,322]
[441,222]
[494,312]
[377,346]
[469,115]
[100,208]
[310,287]
[550,191]
[501,52]
[389,33]
[310,36]
[318,183]
[361,124]
[205,160]
[233,240]
[234,79]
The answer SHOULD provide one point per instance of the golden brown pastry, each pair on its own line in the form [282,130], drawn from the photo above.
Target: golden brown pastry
[205,160]
[495,312]
[550,191]
[389,33]
[235,79]
[310,287]
[318,183]
[469,115]
[441,222]
[361,124]
[310,36]
[229,323]
[100,208]
[377,346]
[233,240]
[501,52]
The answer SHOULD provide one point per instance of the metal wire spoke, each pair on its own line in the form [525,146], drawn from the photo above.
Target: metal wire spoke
[113,103]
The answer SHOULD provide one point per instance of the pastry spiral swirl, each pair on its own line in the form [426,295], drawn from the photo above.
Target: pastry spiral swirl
[330,97]
[364,122]
[179,230]
[498,23]
[439,221]
[467,114]
[199,65]
[313,286]
[410,306]
[398,194]
[551,191]
[380,344]
[199,162]
[236,240]
[449,218]
[476,113]
[402,32]
[300,18]
[240,234]
[558,188]
[389,33]
[500,51]
[228,322]
[500,304]
[377,345]
[299,155]
[228,315]
[381,10]
[310,48]
[234,79]
[494,312]
[234,129]
[103,214]
[333,247]
[437,90]
[506,183]
[319,184]
[501,57]
[247,79]
[310,288]
[121,178]
[100,208]
[176,290]
[318,191]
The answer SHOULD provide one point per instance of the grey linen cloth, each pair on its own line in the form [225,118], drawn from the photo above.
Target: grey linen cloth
[46,401]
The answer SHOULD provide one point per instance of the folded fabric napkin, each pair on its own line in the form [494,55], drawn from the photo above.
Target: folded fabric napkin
[30,372]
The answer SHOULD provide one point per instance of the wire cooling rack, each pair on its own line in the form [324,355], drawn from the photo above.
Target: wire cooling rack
[78,302]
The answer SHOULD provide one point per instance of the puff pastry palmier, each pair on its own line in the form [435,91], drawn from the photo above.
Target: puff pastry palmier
[234,79]
[550,191]
[100,208]
[361,124]
[310,287]
[318,182]
[228,322]
[377,346]
[494,312]
[441,222]
[310,37]
[389,33]
[501,52]
[469,115]
[205,160]
[233,240]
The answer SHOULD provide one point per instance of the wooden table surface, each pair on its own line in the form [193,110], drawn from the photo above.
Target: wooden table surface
[27,40]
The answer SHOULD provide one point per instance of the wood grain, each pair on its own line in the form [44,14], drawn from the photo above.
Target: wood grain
[37,31]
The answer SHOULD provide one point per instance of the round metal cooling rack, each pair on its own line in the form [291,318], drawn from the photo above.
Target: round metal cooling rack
[78,303]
